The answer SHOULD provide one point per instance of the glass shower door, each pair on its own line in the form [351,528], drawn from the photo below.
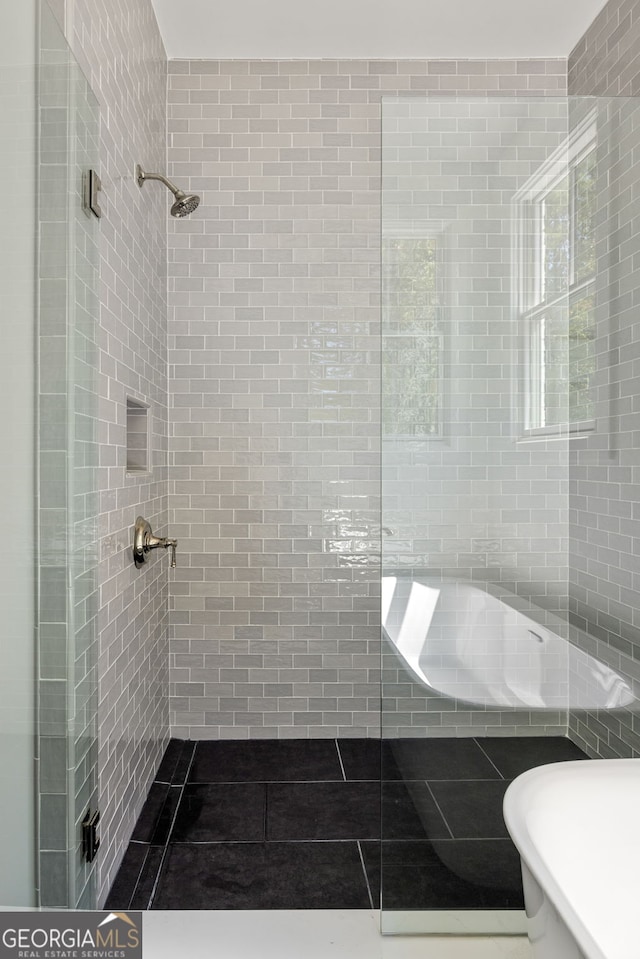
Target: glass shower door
[508,337]
[67,512]
[475,424]
[48,654]
[17,466]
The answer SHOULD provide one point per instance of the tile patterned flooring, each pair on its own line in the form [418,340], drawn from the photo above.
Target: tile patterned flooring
[282,824]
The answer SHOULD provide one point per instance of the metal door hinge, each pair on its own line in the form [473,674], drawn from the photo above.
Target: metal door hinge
[91,189]
[90,841]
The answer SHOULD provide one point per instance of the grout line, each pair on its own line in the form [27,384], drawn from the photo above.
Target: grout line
[170,830]
[275,782]
[193,745]
[294,842]
[444,818]
[275,842]
[344,775]
[159,821]
[489,758]
[266,808]
[138,877]
[297,782]
[467,839]
[458,779]
[364,869]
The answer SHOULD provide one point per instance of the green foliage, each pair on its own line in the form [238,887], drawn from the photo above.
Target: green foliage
[411,368]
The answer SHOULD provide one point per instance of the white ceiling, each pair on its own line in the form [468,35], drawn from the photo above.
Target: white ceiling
[355,29]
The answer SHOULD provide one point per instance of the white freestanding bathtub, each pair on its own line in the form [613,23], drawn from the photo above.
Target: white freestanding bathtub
[577,828]
[463,642]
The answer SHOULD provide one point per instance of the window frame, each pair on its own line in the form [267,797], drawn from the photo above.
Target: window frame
[532,306]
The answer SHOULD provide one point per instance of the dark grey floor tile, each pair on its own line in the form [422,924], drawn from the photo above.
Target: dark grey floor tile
[183,764]
[352,810]
[126,880]
[154,822]
[144,889]
[472,808]
[515,754]
[263,876]
[167,815]
[367,759]
[150,812]
[170,760]
[409,812]
[271,760]
[448,758]
[221,812]
[342,810]
[446,874]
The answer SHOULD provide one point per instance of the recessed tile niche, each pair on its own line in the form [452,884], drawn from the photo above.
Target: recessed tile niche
[137,436]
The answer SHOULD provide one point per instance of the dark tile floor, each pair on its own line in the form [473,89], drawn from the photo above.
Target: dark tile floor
[296,824]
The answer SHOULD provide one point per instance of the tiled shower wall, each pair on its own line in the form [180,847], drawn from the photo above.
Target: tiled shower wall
[274,385]
[605,471]
[118,45]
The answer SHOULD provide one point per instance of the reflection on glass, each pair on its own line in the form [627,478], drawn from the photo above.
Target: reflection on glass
[555,240]
[581,357]
[468,644]
[559,220]
[411,376]
[584,210]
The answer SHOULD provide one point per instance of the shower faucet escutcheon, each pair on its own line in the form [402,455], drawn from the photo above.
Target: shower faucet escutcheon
[144,541]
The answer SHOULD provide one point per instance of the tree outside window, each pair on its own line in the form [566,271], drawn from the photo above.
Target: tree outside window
[412,361]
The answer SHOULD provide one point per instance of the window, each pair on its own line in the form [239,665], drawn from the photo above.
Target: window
[557,271]
[412,374]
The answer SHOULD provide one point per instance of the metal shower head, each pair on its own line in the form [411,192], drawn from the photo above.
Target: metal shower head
[185,203]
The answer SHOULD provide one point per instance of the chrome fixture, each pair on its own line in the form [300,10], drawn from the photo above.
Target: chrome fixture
[144,540]
[91,187]
[387,531]
[185,203]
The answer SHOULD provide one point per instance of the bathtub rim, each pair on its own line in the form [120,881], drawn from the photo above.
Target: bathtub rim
[524,789]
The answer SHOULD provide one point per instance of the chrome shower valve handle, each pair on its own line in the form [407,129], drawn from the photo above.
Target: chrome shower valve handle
[144,541]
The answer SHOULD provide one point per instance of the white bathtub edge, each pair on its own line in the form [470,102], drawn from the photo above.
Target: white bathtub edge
[517,798]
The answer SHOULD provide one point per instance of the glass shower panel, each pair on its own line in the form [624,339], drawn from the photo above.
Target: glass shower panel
[482,288]
[67,505]
[17,464]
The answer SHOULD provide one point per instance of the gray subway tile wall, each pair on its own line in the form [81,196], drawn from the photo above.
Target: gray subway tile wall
[118,44]
[606,60]
[604,470]
[274,385]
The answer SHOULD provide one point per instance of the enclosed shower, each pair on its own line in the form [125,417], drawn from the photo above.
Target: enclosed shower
[499,555]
